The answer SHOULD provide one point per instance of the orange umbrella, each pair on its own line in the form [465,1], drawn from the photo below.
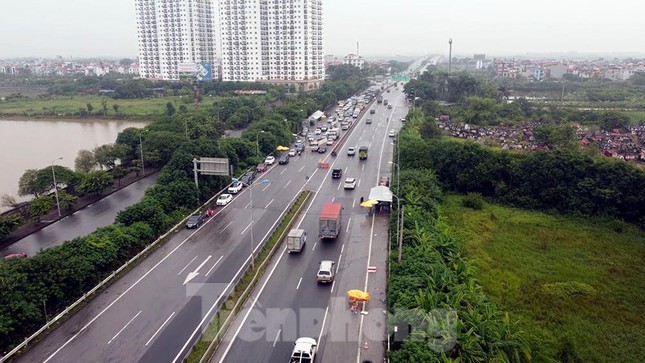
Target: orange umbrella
[358,295]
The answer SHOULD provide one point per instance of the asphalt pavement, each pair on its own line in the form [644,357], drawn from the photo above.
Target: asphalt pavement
[83,222]
[290,304]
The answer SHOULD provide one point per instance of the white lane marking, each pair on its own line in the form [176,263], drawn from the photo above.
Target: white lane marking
[299,281]
[333,283]
[353,202]
[347,230]
[359,182]
[369,250]
[346,169]
[224,229]
[185,267]
[267,207]
[340,257]
[283,170]
[302,168]
[342,248]
[322,328]
[125,326]
[276,337]
[333,199]
[286,185]
[338,187]
[216,262]
[247,205]
[372,136]
[158,330]
[363,167]
[195,273]
[247,227]
[314,247]
[268,185]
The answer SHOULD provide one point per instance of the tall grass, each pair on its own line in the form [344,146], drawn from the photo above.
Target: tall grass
[578,283]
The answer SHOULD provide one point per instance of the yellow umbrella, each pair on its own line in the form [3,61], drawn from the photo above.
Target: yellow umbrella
[358,295]
[282,148]
[369,203]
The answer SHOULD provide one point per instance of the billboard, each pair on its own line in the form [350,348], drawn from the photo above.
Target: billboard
[201,72]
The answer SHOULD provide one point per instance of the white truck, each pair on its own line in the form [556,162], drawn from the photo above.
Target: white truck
[296,240]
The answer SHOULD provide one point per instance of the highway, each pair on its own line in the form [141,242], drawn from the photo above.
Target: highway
[153,313]
[290,304]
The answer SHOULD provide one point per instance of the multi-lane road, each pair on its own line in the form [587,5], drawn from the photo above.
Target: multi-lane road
[155,312]
[290,304]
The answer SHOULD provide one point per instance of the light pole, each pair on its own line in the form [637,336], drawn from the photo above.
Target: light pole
[264,181]
[56,185]
[450,57]
[143,168]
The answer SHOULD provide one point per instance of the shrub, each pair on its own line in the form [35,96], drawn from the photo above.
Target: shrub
[473,201]
[568,289]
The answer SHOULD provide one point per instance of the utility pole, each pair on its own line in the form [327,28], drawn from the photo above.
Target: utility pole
[401,232]
[450,56]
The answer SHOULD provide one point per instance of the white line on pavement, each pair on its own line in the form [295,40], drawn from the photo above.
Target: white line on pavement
[283,170]
[314,247]
[268,185]
[216,262]
[301,168]
[359,182]
[363,167]
[286,185]
[276,337]
[267,207]
[247,205]
[247,227]
[338,188]
[158,330]
[333,283]
[299,281]
[322,328]
[342,248]
[224,229]
[347,230]
[125,326]
[353,202]
[185,267]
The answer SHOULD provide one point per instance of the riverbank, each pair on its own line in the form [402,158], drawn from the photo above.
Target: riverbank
[67,118]
[52,217]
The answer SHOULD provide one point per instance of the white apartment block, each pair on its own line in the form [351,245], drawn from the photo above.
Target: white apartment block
[354,60]
[273,41]
[173,32]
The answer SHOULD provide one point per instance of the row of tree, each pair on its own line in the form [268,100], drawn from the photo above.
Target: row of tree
[59,275]
[565,180]
[434,289]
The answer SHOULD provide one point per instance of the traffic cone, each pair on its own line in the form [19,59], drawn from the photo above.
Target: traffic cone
[366,346]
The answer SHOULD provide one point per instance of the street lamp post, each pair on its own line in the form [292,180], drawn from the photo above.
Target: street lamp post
[250,186]
[257,142]
[56,185]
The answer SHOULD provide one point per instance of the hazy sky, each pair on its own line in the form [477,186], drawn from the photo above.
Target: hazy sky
[85,28]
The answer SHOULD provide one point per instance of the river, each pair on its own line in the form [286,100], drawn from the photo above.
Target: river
[34,144]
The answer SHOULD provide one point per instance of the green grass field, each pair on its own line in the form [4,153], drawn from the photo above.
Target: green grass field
[69,106]
[576,283]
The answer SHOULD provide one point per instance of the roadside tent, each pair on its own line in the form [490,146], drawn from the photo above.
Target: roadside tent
[381,194]
[316,115]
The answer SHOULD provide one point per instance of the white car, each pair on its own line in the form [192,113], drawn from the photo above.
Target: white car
[318,131]
[402,119]
[292,152]
[304,350]
[269,160]
[224,199]
[392,133]
[351,151]
[330,142]
[235,188]
[350,183]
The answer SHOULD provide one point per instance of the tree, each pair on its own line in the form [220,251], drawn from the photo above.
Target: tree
[126,62]
[119,172]
[104,103]
[40,206]
[561,137]
[9,224]
[66,200]
[107,155]
[30,185]
[170,109]
[116,108]
[429,129]
[8,201]
[613,120]
[90,108]
[85,161]
[95,182]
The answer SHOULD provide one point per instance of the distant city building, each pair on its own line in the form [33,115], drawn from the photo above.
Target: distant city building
[354,60]
[173,32]
[273,41]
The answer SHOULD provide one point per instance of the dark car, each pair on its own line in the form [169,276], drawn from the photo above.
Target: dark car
[336,173]
[372,112]
[248,178]
[385,181]
[322,149]
[195,221]
[284,159]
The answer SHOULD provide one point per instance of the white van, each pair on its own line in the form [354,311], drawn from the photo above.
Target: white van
[314,145]
[304,350]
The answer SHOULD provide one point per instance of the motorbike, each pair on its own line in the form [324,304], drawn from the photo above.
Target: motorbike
[333,153]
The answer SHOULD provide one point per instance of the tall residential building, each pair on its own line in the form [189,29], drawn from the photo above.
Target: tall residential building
[173,33]
[273,41]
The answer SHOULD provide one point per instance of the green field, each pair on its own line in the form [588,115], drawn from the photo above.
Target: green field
[577,284]
[69,106]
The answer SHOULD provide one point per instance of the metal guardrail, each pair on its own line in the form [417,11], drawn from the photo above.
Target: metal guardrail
[104,283]
[236,308]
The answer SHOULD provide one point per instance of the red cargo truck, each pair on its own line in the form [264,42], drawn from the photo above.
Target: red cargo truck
[330,220]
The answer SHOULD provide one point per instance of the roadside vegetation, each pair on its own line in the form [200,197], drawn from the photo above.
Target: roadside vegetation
[58,276]
[576,283]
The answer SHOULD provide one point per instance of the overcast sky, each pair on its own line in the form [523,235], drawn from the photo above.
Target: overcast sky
[106,28]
